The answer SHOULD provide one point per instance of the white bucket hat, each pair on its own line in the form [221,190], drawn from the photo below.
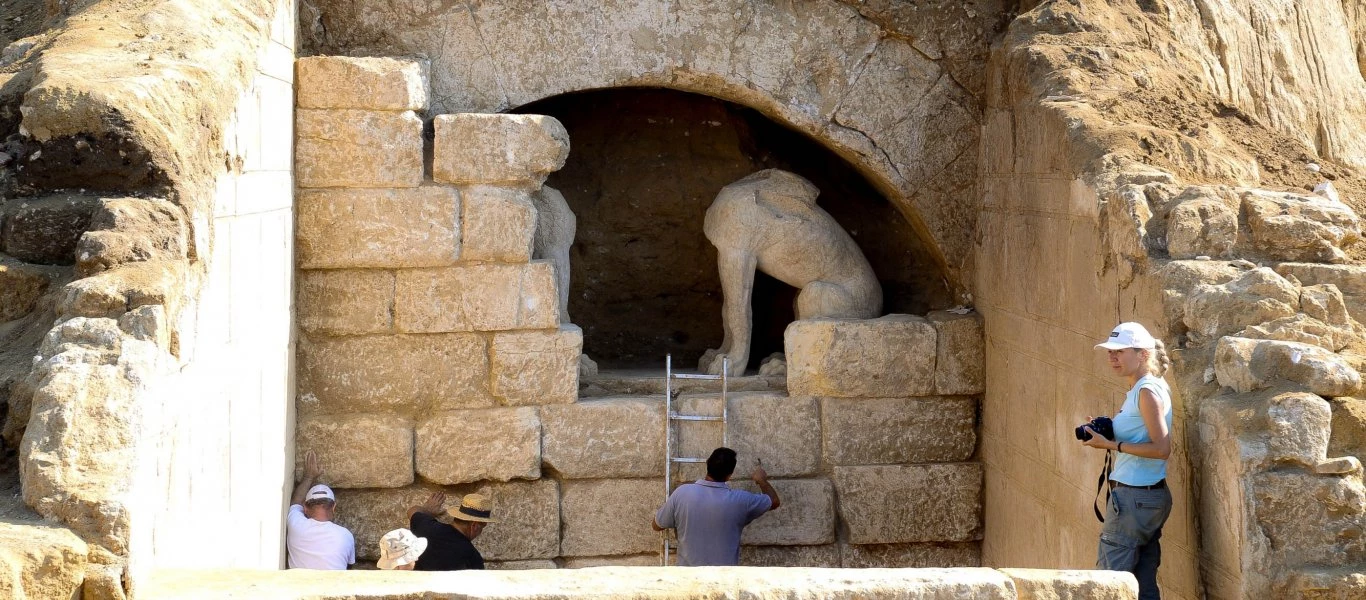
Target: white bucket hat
[1129,335]
[398,548]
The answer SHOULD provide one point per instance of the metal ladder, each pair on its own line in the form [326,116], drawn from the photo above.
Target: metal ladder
[672,417]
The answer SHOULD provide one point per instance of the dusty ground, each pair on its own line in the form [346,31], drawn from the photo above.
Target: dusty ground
[20,19]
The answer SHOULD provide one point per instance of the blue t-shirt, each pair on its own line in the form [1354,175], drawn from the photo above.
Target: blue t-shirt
[709,517]
[1129,428]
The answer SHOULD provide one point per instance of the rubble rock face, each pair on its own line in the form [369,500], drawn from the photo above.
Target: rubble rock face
[1258,296]
[40,561]
[46,230]
[1246,365]
[1301,228]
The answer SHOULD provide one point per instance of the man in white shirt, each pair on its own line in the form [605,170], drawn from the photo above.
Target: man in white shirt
[313,540]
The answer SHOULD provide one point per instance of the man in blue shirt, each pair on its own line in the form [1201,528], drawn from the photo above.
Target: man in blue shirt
[709,515]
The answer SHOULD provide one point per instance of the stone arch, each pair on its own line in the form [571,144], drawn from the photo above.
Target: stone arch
[892,106]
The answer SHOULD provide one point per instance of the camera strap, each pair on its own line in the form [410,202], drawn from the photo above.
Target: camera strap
[1101,483]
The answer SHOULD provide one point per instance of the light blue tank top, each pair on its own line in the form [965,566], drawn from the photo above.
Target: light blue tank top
[1129,428]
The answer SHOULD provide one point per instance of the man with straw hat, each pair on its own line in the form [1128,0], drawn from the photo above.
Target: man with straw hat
[450,547]
[399,549]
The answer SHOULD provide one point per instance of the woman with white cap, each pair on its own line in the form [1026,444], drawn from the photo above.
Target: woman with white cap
[1139,501]
[399,549]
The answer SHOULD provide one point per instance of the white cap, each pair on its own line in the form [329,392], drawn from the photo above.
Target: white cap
[320,492]
[1129,335]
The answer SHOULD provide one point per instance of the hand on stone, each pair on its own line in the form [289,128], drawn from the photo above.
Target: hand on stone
[312,469]
[434,503]
[759,475]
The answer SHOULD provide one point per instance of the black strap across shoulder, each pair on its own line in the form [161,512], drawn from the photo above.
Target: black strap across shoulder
[1100,483]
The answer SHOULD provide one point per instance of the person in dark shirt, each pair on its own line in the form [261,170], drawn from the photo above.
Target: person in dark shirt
[450,547]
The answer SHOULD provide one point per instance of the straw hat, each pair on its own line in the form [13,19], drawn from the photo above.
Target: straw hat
[398,548]
[473,507]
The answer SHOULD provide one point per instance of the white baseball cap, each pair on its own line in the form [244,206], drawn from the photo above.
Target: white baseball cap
[1129,335]
[320,492]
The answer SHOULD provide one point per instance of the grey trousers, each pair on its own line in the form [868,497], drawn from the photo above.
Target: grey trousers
[1130,538]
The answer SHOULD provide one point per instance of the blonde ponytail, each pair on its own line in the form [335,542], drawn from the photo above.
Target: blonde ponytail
[1158,361]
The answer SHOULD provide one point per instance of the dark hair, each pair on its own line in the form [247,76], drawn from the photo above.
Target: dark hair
[319,502]
[721,464]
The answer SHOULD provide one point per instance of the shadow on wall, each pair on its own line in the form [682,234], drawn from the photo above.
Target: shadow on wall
[644,165]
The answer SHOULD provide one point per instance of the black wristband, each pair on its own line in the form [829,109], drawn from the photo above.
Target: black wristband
[1119,447]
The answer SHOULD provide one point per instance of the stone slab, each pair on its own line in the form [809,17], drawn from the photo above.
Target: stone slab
[912,556]
[637,560]
[887,357]
[499,224]
[528,527]
[614,437]
[402,373]
[519,565]
[357,148]
[910,503]
[824,557]
[782,431]
[480,297]
[960,366]
[806,516]
[1049,584]
[609,517]
[520,150]
[536,367]
[493,444]
[377,228]
[373,83]
[884,431]
[342,302]
[357,450]
[371,513]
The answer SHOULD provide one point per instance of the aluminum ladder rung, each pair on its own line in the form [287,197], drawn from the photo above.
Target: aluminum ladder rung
[672,416]
[693,376]
[687,459]
[678,417]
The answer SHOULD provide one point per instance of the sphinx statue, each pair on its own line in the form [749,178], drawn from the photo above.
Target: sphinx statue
[555,230]
[769,221]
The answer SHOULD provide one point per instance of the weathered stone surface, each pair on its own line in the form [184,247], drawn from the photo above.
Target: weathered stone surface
[341,228]
[519,565]
[357,148]
[1349,279]
[124,230]
[1300,227]
[520,150]
[359,450]
[371,513]
[1296,426]
[20,287]
[886,357]
[494,444]
[45,230]
[827,556]
[112,293]
[960,367]
[1328,583]
[638,560]
[1202,227]
[616,437]
[482,297]
[780,430]
[1324,302]
[1315,519]
[40,561]
[898,430]
[1304,329]
[341,302]
[609,517]
[528,526]
[1256,296]
[1246,365]
[373,83]
[404,373]
[1348,436]
[499,224]
[1047,584]
[912,556]
[911,503]
[536,367]
[806,516]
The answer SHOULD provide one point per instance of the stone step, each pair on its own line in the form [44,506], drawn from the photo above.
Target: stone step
[650,382]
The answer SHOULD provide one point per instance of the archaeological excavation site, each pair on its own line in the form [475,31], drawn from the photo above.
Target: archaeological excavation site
[554,252]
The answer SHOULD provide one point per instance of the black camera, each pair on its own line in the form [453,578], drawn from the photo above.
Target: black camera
[1102,425]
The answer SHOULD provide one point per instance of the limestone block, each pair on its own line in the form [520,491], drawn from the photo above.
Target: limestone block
[519,150]
[358,450]
[898,430]
[518,565]
[1348,428]
[911,503]
[377,228]
[1300,227]
[371,513]
[345,302]
[125,230]
[637,560]
[537,367]
[1202,227]
[1326,583]
[499,224]
[1350,279]
[1304,329]
[20,287]
[480,297]
[1048,584]
[40,561]
[374,83]
[806,516]
[357,148]
[826,557]
[1324,302]
[609,517]
[1297,427]
[913,556]
[403,373]
[780,430]
[45,230]
[1256,296]
[1245,365]
[614,437]
[1309,517]
[494,444]
[961,353]
[888,357]
[528,526]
